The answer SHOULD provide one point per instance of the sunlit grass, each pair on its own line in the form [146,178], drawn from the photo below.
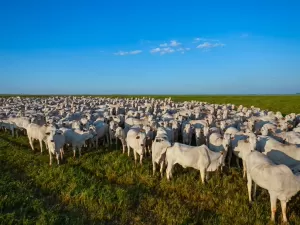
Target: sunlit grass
[104,187]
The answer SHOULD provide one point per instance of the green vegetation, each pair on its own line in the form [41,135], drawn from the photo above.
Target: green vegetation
[283,103]
[104,187]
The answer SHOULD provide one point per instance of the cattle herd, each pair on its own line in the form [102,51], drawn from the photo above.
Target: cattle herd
[192,134]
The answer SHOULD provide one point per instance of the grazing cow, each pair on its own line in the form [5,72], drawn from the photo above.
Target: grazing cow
[241,148]
[200,158]
[77,140]
[199,136]
[37,132]
[120,134]
[279,180]
[217,143]
[159,146]
[279,153]
[149,138]
[56,141]
[136,139]
[187,134]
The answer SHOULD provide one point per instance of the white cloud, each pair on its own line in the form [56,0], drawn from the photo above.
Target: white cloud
[208,45]
[174,43]
[198,39]
[122,53]
[167,50]
[135,52]
[183,50]
[180,49]
[162,51]
[155,50]
[163,45]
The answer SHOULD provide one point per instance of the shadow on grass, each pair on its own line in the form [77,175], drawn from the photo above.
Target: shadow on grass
[49,200]
[138,193]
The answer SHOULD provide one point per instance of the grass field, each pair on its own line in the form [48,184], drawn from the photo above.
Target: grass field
[104,187]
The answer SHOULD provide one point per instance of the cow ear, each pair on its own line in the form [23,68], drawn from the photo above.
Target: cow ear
[137,137]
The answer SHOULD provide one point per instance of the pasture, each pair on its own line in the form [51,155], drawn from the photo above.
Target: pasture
[105,187]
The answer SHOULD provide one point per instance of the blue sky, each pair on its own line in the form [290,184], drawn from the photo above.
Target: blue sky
[149,47]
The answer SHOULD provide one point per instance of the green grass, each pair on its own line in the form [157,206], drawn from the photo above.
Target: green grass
[283,103]
[104,187]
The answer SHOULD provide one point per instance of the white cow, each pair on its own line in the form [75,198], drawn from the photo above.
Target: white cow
[77,140]
[199,136]
[241,148]
[120,134]
[56,141]
[279,180]
[217,143]
[200,158]
[102,130]
[37,132]
[187,134]
[159,146]
[136,139]
[279,153]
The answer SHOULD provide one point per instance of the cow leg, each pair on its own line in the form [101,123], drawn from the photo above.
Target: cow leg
[124,148]
[169,170]
[74,150]
[135,156]
[283,209]
[57,157]
[79,149]
[207,176]
[202,175]
[47,147]
[30,142]
[128,149]
[161,169]
[141,159]
[254,190]
[249,185]
[244,169]
[50,154]
[273,199]
[153,167]
[41,145]
[97,144]
[62,153]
